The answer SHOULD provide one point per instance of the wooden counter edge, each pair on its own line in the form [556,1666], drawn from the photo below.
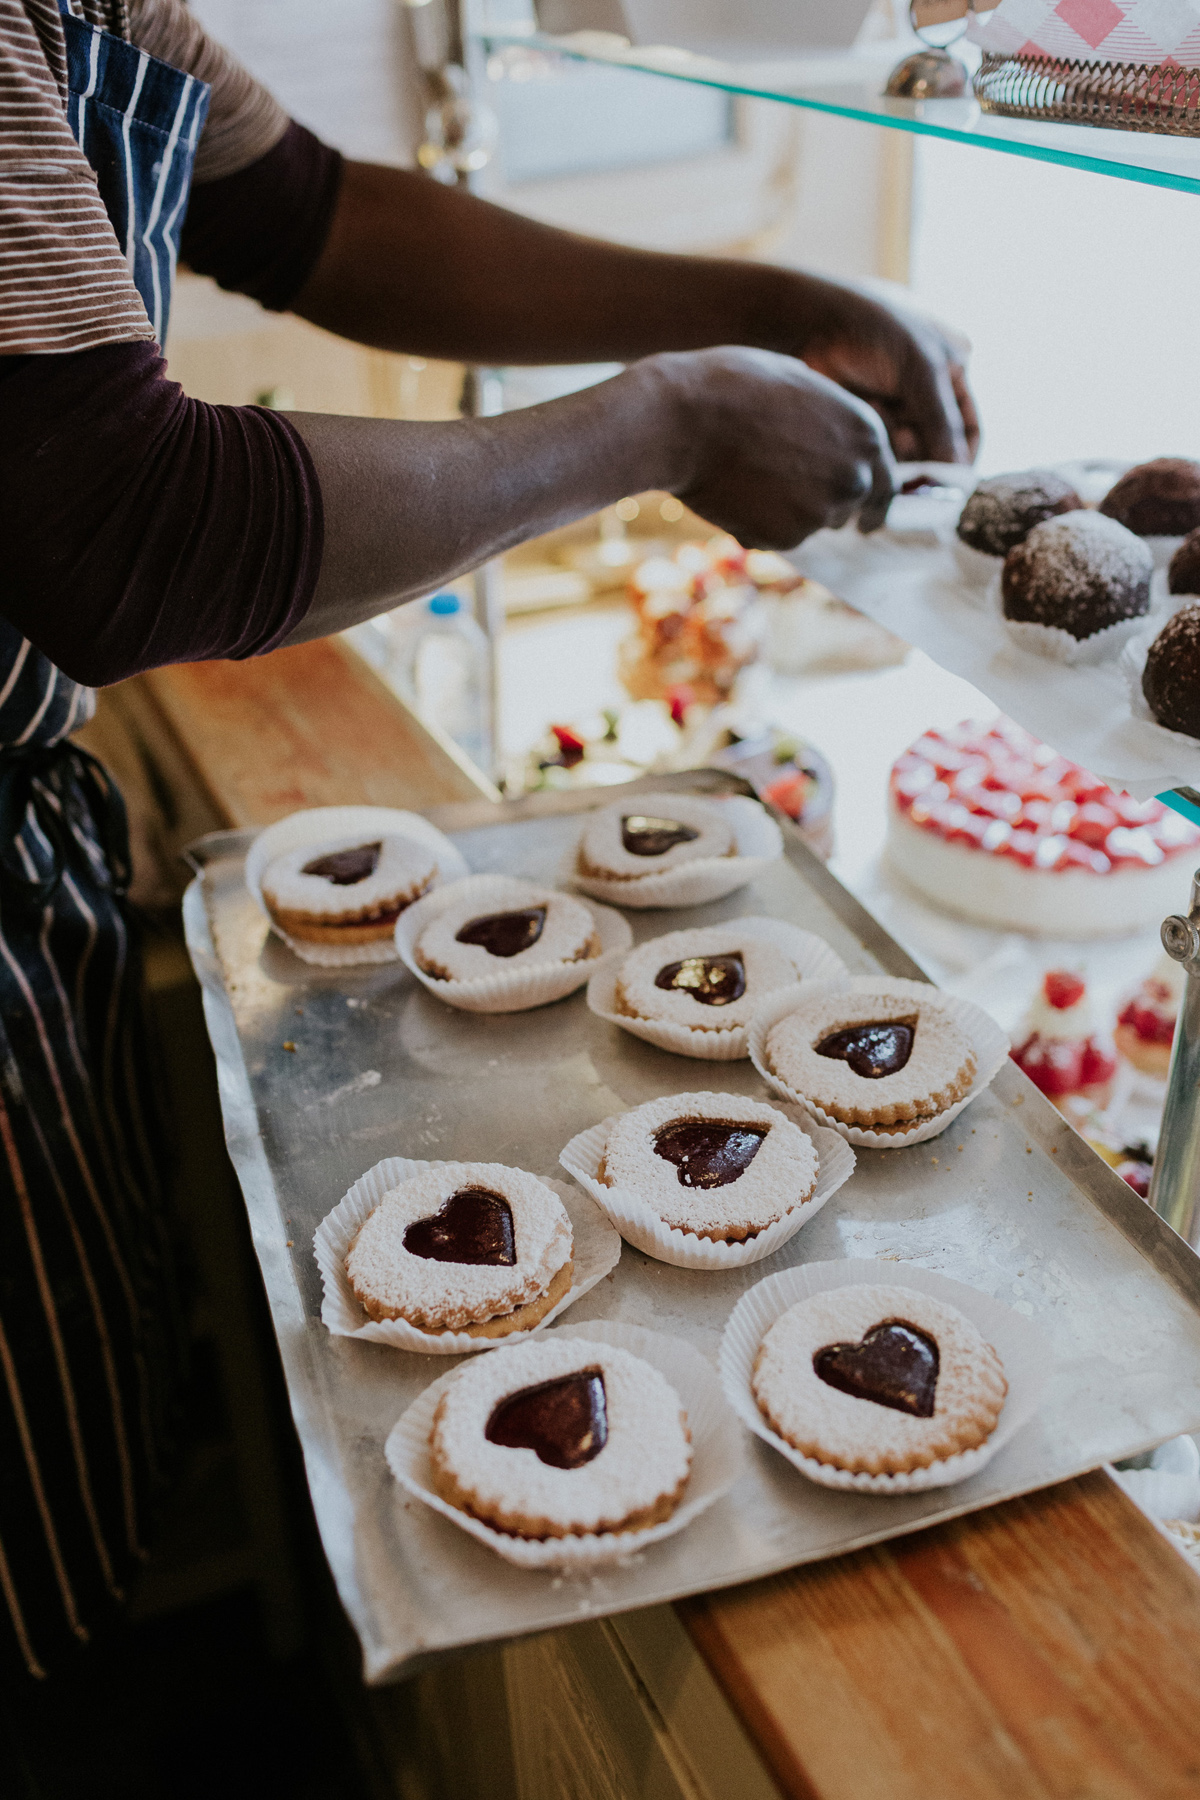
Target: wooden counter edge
[1047,1646]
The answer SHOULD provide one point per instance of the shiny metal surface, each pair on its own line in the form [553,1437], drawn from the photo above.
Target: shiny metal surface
[928,75]
[1009,1198]
[1175,1186]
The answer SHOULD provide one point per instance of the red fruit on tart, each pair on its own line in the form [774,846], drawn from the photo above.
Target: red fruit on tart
[1058,1047]
[1137,1170]
[990,823]
[1146,1023]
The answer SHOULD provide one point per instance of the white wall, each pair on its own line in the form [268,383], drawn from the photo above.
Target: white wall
[342,67]
[1081,293]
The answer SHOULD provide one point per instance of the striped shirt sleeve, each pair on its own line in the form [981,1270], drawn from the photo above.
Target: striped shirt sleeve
[64,284]
[244,120]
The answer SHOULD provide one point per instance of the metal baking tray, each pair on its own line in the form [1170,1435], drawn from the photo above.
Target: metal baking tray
[1009,1199]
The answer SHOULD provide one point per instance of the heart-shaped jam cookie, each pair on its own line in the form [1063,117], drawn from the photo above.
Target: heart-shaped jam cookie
[646,836]
[504,933]
[712,980]
[345,868]
[872,1049]
[894,1365]
[474,1226]
[564,1422]
[709,1153]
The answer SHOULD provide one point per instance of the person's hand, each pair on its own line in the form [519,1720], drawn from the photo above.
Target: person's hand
[901,363]
[772,451]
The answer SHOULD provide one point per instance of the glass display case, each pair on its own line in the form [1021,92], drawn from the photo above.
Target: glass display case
[850,86]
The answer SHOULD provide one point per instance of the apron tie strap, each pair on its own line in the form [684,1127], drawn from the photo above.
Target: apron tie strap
[64,785]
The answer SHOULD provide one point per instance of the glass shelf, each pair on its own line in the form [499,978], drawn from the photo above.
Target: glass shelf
[850,86]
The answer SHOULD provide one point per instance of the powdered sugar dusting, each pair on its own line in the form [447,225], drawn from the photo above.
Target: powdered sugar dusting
[1077,549]
[567,934]
[448,1295]
[602,851]
[938,1072]
[1003,509]
[647,1454]
[781,1176]
[766,968]
[1171,678]
[853,1433]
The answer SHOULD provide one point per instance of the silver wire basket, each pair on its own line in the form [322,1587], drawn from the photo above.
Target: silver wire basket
[1120,96]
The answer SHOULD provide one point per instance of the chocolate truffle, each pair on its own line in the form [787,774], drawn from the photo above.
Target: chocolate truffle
[1183,576]
[1080,572]
[1157,499]
[1003,510]
[1171,678]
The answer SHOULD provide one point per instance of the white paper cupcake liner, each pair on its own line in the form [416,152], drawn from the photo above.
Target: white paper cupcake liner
[989,1043]
[1023,1347]
[1048,640]
[718,1456]
[977,569]
[811,956]
[1132,665]
[597,1249]
[759,843]
[1162,549]
[1169,1486]
[509,990]
[642,1227]
[324,824]
[929,516]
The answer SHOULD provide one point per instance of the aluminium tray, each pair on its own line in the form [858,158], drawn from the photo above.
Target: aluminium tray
[1008,1199]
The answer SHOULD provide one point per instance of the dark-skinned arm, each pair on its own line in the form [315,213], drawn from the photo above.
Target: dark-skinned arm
[755,442]
[412,265]
[753,439]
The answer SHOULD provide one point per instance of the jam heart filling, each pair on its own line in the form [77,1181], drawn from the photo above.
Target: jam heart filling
[645,836]
[474,1226]
[873,1049]
[895,1365]
[712,980]
[564,1422]
[709,1153]
[344,868]
[504,933]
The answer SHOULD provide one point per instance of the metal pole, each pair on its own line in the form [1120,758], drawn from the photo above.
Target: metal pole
[460,132]
[1175,1185]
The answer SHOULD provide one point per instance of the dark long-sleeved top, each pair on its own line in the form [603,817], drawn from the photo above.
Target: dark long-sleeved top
[138,526]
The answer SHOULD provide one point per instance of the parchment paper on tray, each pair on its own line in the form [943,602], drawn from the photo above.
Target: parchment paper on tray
[916,590]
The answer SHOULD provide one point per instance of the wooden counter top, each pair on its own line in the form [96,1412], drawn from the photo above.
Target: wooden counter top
[1047,1647]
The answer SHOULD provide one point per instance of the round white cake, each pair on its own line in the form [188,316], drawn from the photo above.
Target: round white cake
[991,824]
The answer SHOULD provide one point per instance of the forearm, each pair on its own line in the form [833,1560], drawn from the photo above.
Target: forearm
[757,443]
[410,506]
[415,266]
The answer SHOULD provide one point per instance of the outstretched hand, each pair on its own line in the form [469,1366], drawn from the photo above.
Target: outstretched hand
[902,364]
[774,450]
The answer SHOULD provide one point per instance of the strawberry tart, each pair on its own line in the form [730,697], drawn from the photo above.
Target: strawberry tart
[1146,1022]
[1058,1047]
[989,823]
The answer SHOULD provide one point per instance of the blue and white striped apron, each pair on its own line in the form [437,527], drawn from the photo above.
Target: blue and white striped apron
[90,1338]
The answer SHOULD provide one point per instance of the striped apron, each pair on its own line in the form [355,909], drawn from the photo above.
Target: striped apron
[91,1344]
